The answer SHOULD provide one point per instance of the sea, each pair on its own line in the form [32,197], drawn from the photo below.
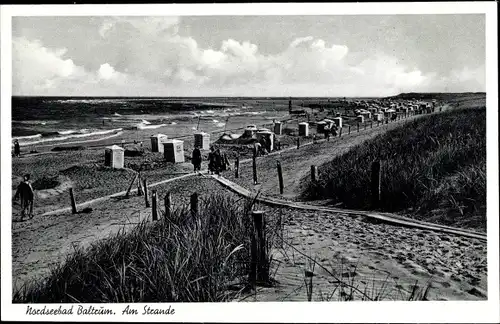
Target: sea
[38,120]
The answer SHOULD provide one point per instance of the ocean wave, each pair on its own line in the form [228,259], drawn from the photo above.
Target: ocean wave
[90,101]
[19,138]
[35,122]
[83,133]
[143,126]
[67,132]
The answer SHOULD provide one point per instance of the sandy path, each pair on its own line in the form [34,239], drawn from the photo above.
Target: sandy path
[376,217]
[455,266]
[45,240]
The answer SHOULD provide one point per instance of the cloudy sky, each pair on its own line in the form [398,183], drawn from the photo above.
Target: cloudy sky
[248,55]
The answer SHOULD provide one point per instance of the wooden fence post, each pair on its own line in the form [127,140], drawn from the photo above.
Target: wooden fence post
[376,176]
[237,167]
[314,173]
[131,184]
[340,132]
[280,176]
[298,142]
[358,127]
[168,205]
[254,169]
[139,186]
[145,185]
[194,204]
[73,203]
[349,129]
[154,201]
[261,266]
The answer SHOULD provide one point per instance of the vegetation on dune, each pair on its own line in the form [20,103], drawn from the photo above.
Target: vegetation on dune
[176,259]
[434,169]
[92,176]
[45,183]
[67,148]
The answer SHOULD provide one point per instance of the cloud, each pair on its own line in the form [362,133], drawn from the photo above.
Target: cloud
[147,56]
[106,71]
[36,67]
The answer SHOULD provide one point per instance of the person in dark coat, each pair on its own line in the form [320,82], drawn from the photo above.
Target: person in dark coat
[327,133]
[333,129]
[25,193]
[17,148]
[218,161]
[196,160]
[211,160]
[268,143]
[257,149]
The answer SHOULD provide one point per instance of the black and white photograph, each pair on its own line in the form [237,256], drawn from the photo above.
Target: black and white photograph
[160,156]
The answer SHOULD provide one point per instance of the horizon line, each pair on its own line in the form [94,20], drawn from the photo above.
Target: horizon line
[402,93]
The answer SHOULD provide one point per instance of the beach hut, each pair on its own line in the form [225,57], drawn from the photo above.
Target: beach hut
[266,136]
[250,131]
[303,129]
[202,140]
[173,151]
[320,127]
[278,128]
[377,117]
[360,119]
[338,121]
[114,156]
[156,142]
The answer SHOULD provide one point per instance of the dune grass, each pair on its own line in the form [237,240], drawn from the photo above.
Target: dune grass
[176,259]
[434,169]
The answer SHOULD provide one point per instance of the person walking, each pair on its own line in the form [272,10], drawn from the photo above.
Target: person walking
[218,161]
[257,149]
[17,148]
[327,133]
[196,160]
[334,130]
[211,160]
[25,193]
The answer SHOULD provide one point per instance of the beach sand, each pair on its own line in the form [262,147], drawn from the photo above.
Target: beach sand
[455,266]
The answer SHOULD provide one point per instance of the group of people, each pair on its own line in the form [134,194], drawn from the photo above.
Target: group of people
[217,161]
[330,131]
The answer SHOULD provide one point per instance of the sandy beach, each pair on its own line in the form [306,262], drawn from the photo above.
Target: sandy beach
[383,260]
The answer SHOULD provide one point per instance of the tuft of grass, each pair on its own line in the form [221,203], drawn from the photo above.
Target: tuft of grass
[433,169]
[176,259]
